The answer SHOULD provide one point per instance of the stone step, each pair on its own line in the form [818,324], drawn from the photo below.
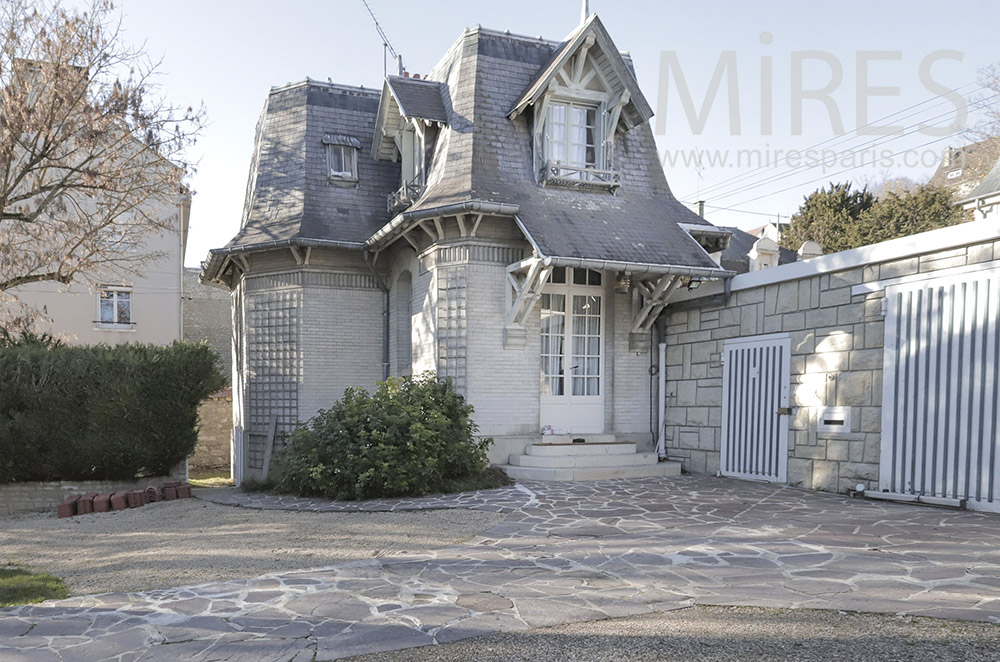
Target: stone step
[661,469]
[568,438]
[598,448]
[554,461]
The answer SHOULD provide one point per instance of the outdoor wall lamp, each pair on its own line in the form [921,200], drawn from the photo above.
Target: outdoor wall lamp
[622,282]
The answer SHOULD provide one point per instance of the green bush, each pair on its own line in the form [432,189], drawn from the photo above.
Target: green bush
[99,412]
[407,439]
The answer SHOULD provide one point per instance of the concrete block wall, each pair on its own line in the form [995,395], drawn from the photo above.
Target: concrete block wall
[836,360]
[36,496]
[206,316]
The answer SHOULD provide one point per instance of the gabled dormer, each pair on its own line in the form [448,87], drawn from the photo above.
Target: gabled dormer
[580,101]
[409,110]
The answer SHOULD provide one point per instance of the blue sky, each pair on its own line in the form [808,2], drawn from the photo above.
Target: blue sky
[228,54]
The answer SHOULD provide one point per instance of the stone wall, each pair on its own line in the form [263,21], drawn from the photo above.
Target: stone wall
[836,358]
[215,427]
[41,496]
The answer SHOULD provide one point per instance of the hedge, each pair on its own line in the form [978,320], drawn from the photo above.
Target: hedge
[406,439]
[99,412]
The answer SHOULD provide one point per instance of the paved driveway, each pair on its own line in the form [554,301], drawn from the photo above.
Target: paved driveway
[567,552]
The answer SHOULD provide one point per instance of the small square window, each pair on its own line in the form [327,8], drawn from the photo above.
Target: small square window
[114,307]
[342,162]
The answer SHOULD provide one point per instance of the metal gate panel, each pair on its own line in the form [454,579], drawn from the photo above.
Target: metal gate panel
[941,390]
[755,394]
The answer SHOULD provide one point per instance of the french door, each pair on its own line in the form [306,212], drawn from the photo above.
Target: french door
[572,352]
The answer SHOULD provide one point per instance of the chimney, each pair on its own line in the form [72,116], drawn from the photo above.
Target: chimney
[701,208]
[584,11]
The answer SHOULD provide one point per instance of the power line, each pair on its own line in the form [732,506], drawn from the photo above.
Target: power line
[871,144]
[735,178]
[740,211]
[840,172]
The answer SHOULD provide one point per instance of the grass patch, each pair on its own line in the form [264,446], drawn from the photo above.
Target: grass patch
[213,478]
[20,587]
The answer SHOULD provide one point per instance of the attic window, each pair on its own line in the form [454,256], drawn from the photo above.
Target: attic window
[574,147]
[572,135]
[341,156]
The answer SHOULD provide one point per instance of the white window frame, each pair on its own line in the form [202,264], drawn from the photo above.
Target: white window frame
[115,325]
[349,157]
[564,159]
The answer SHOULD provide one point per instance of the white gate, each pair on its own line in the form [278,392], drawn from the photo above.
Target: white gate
[755,384]
[940,392]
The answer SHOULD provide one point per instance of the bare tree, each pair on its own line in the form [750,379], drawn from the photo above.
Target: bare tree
[89,153]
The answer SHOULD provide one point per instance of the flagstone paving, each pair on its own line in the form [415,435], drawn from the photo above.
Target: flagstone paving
[566,553]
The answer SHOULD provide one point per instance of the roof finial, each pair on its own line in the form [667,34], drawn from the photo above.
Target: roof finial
[584,11]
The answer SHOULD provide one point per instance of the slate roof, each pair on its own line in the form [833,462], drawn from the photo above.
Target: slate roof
[288,196]
[479,155]
[737,256]
[484,155]
[418,98]
[963,168]
[989,186]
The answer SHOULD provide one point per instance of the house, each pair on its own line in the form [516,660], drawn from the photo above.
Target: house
[963,168]
[503,221]
[984,199]
[772,230]
[751,251]
[111,309]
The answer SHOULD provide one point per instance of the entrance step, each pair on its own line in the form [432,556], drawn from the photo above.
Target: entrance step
[587,461]
[610,448]
[568,438]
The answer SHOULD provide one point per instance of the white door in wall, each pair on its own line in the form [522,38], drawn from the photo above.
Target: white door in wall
[941,389]
[755,394]
[572,352]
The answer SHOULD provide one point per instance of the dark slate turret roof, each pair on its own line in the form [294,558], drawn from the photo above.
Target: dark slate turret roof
[288,196]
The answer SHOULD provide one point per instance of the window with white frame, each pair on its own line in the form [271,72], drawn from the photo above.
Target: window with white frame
[572,135]
[114,307]
[342,162]
[341,156]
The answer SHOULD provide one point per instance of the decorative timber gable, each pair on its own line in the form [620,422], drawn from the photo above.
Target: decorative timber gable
[580,100]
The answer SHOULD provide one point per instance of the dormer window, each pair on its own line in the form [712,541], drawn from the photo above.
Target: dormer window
[341,157]
[572,136]
[580,102]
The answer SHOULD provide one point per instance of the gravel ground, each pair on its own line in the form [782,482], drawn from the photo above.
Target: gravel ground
[724,634]
[186,542]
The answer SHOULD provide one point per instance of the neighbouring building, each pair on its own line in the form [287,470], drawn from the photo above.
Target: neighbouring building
[984,200]
[100,308]
[963,168]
